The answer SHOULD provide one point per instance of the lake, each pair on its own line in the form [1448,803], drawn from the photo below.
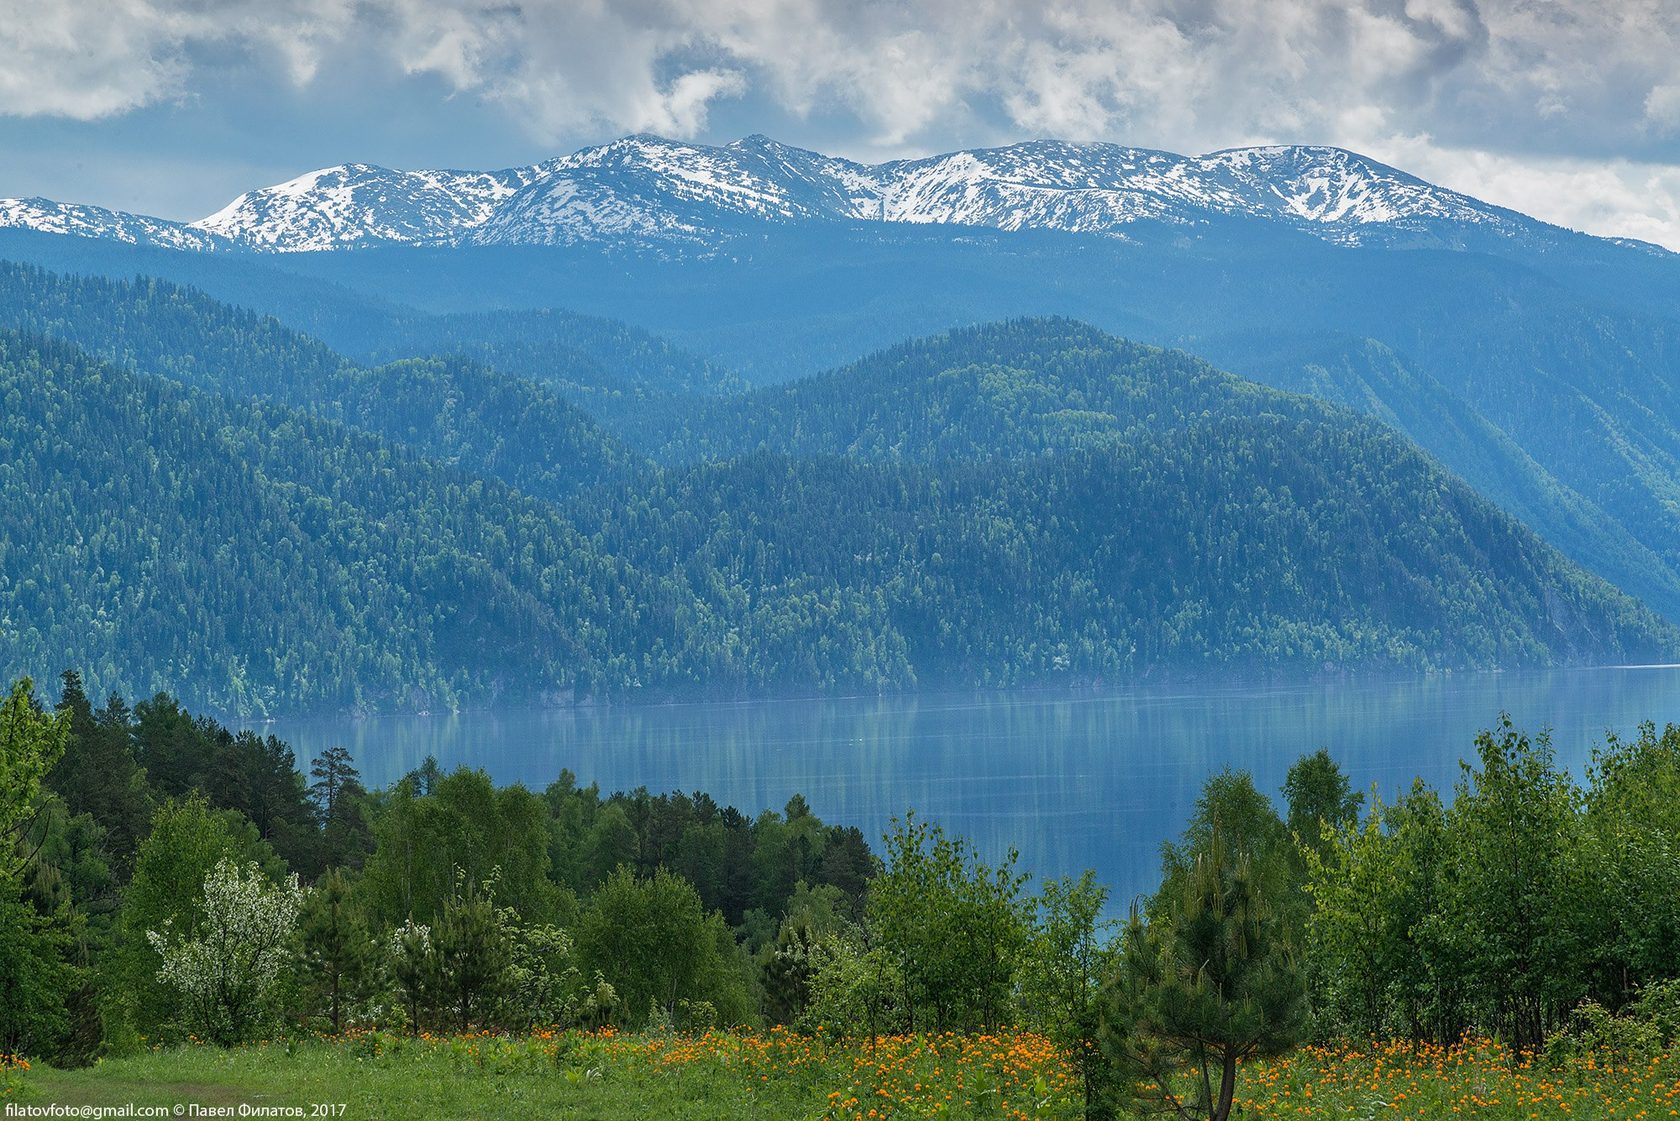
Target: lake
[1073,780]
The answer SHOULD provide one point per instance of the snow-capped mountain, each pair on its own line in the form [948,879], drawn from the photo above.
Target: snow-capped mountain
[1102,188]
[46,216]
[361,204]
[646,190]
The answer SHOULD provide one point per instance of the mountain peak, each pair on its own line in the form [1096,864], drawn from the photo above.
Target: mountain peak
[358,204]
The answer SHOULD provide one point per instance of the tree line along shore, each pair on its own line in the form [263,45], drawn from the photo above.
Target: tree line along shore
[169,881]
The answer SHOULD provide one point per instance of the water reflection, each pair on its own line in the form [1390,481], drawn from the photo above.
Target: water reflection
[1072,780]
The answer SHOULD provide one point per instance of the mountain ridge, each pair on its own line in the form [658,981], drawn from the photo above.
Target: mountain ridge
[646,190]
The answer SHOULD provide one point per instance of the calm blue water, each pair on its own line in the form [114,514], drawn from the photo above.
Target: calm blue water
[1072,780]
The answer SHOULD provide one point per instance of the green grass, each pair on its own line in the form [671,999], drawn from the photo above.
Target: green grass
[409,1087]
[730,1077]
[577,1076]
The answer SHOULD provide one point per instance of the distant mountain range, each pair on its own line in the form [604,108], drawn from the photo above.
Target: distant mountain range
[647,191]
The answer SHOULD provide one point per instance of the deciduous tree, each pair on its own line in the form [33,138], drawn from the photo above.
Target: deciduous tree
[31,742]
[955,925]
[227,969]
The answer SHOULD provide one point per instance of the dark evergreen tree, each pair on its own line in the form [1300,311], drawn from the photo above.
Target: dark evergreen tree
[98,773]
[339,801]
[474,952]
[337,952]
[787,971]
[40,975]
[1204,984]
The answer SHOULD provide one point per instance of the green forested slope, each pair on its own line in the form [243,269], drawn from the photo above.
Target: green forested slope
[584,353]
[1033,501]
[1109,506]
[451,409]
[1015,389]
[1369,377]
[1570,354]
[629,379]
[266,560]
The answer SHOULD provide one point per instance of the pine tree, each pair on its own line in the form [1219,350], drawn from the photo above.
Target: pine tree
[474,952]
[338,795]
[1205,984]
[337,951]
[787,972]
[99,774]
[332,772]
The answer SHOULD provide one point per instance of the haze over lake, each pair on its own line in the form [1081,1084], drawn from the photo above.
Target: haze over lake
[1093,779]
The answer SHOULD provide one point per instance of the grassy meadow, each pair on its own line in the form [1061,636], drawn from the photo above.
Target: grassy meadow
[609,1076]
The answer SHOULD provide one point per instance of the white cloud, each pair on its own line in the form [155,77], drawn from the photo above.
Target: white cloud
[1662,108]
[1567,107]
[87,59]
[1199,69]
[1611,197]
[72,60]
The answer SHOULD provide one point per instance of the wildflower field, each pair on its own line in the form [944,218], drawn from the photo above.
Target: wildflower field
[610,1076]
[1472,1079]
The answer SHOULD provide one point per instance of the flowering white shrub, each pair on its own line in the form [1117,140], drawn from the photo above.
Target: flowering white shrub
[413,965]
[227,972]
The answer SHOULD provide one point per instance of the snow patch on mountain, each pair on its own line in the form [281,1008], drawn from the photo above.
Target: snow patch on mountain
[645,189]
[1335,187]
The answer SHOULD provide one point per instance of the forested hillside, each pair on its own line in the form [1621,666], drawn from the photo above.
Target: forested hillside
[583,353]
[1163,487]
[1526,341]
[273,561]
[1372,378]
[629,379]
[450,409]
[1014,390]
[1534,344]
[1499,353]
[1028,502]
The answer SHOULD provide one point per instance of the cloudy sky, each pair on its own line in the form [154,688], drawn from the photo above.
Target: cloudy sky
[1568,109]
